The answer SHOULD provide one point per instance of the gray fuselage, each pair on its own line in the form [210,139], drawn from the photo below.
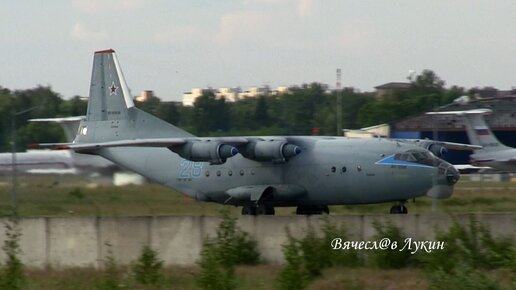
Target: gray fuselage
[330,170]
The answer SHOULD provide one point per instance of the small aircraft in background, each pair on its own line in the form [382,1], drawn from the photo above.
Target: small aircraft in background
[66,161]
[492,153]
[39,161]
[58,162]
[258,173]
[80,162]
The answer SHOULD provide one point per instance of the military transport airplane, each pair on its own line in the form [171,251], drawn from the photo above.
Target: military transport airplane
[258,173]
[493,154]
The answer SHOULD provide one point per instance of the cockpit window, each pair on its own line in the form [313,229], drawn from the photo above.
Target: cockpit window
[421,157]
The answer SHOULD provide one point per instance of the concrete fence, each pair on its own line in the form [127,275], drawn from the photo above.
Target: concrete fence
[81,241]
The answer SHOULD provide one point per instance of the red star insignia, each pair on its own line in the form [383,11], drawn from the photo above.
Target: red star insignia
[112,89]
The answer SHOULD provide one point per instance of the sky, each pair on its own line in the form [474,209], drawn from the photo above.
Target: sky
[173,46]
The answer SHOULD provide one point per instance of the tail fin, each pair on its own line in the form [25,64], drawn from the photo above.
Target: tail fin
[111,112]
[477,129]
[109,95]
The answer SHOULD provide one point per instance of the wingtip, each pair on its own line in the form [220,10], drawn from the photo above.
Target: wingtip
[105,51]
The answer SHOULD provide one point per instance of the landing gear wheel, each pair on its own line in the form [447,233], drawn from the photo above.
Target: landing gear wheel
[262,209]
[258,209]
[311,210]
[399,209]
[248,210]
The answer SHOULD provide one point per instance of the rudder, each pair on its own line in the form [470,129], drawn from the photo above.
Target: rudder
[111,112]
[109,95]
[480,134]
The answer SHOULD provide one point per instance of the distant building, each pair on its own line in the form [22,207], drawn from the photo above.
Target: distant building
[490,92]
[233,94]
[390,88]
[144,96]
[190,97]
[254,92]
[281,90]
[382,130]
[230,94]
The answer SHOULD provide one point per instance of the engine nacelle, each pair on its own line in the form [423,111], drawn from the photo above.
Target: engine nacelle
[277,151]
[205,151]
[437,149]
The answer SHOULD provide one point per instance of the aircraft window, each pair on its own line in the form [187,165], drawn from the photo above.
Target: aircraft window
[333,169]
[420,157]
[344,169]
[242,172]
[253,172]
[207,173]
[230,173]
[218,173]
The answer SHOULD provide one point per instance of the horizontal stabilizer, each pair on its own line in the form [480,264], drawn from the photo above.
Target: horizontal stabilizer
[69,124]
[59,120]
[461,113]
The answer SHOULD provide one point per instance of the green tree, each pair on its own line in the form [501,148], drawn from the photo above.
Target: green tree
[148,269]
[293,276]
[76,106]
[261,114]
[210,114]
[220,255]
[214,275]
[111,278]
[391,258]
[12,274]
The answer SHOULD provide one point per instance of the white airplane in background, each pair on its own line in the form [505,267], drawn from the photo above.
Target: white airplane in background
[58,162]
[492,154]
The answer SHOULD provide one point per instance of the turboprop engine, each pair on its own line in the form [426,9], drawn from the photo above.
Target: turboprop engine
[437,149]
[277,151]
[206,151]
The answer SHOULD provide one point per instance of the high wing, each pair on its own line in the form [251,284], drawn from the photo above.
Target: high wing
[440,147]
[447,145]
[206,149]
[152,142]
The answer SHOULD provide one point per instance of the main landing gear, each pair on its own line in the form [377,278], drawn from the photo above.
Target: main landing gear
[263,209]
[311,210]
[257,209]
[399,208]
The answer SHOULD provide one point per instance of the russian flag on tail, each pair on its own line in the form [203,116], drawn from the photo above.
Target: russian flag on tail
[482,131]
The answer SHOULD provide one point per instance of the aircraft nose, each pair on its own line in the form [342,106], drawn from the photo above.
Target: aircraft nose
[443,185]
[447,173]
[452,175]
